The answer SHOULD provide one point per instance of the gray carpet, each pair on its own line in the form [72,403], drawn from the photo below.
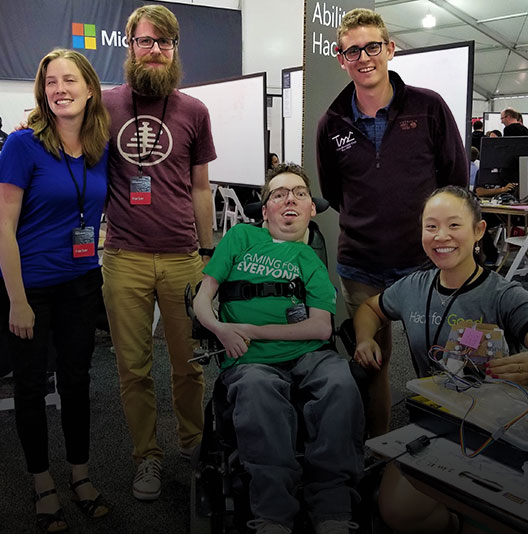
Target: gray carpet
[112,469]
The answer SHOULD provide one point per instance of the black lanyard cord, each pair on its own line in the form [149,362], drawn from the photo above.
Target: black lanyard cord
[80,195]
[140,159]
[444,316]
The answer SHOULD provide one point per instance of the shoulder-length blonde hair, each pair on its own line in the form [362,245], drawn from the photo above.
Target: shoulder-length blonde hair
[94,130]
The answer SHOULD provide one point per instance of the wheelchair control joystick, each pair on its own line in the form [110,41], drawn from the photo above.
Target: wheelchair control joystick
[203,356]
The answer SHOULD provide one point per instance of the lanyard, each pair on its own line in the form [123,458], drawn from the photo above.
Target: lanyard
[140,159]
[428,307]
[80,195]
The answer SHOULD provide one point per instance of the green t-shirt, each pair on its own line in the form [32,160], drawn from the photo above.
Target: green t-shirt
[249,253]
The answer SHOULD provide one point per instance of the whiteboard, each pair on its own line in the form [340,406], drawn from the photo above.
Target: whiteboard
[446,69]
[292,114]
[237,107]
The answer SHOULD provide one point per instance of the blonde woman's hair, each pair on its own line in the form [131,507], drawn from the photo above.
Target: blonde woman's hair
[94,130]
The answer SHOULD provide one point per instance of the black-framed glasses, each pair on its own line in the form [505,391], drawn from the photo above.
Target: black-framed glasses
[164,43]
[371,49]
[280,194]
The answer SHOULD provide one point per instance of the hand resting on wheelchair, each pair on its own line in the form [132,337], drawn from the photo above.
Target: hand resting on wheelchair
[276,339]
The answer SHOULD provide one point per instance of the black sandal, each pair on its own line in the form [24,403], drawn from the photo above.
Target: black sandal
[45,521]
[92,508]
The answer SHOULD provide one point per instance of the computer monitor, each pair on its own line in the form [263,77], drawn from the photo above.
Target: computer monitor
[499,159]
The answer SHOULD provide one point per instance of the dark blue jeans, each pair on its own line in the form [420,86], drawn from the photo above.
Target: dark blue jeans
[67,314]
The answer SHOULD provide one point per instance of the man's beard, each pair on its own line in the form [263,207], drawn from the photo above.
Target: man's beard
[153,81]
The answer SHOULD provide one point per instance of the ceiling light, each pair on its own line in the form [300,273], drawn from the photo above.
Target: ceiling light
[429,21]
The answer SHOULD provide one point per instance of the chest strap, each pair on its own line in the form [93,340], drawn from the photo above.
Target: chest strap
[243,290]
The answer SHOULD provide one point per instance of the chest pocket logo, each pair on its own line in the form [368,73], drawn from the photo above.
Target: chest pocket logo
[409,124]
[344,142]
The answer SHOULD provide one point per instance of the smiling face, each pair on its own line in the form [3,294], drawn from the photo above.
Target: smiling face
[66,90]
[368,72]
[449,234]
[287,220]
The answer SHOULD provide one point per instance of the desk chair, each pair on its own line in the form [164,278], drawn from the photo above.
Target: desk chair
[516,269]
[233,210]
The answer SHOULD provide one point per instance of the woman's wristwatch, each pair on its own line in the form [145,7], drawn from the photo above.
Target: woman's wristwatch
[206,251]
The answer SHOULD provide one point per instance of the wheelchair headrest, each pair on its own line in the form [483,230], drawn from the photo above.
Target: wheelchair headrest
[254,209]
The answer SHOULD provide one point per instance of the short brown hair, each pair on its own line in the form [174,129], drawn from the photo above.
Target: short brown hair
[283,168]
[512,113]
[94,130]
[160,17]
[361,17]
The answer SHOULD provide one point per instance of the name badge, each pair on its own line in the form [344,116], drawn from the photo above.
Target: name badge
[140,191]
[296,313]
[83,242]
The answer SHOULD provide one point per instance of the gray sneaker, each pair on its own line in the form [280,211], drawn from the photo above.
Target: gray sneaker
[263,526]
[333,526]
[147,482]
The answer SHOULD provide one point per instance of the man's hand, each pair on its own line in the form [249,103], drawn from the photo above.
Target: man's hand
[368,354]
[234,338]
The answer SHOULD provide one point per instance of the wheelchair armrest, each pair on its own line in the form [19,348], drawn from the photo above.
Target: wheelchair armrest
[348,336]
[209,344]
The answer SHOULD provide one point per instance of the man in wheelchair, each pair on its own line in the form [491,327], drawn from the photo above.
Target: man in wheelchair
[275,322]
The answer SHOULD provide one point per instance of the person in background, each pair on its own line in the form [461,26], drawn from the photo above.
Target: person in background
[473,166]
[494,133]
[512,121]
[382,148]
[273,160]
[159,213]
[3,135]
[478,133]
[452,227]
[276,345]
[53,186]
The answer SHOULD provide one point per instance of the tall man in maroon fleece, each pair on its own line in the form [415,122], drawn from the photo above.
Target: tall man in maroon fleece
[382,147]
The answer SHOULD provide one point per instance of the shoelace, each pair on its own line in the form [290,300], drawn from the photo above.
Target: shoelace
[274,528]
[149,469]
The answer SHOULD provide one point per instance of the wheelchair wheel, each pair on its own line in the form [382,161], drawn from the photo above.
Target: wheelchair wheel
[199,523]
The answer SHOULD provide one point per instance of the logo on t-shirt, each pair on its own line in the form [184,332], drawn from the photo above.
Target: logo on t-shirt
[145,136]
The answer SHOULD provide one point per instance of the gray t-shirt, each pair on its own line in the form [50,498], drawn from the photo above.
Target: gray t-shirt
[490,300]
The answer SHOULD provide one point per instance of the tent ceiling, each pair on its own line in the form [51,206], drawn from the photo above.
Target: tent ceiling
[499,29]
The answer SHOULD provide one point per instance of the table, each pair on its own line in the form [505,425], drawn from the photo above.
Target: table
[479,488]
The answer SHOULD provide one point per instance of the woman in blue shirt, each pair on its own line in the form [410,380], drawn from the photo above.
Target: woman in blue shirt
[52,191]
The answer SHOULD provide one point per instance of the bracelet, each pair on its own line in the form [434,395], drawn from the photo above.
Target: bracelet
[206,251]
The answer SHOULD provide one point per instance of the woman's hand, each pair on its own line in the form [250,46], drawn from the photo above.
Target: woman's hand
[234,338]
[514,368]
[21,320]
[368,354]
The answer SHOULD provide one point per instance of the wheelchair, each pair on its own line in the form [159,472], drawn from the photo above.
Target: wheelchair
[219,485]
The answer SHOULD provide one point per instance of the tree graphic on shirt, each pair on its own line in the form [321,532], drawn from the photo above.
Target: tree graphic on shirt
[147,136]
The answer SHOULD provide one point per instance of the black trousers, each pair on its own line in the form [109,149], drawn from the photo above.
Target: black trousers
[67,313]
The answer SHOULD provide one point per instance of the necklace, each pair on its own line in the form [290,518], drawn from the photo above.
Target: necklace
[447,298]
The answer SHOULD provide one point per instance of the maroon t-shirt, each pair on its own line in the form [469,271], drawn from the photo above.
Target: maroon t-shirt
[185,140]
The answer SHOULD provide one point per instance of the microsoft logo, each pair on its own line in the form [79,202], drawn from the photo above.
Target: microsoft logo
[83,36]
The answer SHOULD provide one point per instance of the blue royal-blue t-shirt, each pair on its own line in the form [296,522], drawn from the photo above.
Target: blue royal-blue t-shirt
[50,209]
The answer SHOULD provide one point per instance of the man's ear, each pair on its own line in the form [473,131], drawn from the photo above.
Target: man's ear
[264,213]
[341,61]
[391,48]
[314,210]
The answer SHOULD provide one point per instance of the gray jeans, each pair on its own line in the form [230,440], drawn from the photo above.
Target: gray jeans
[265,422]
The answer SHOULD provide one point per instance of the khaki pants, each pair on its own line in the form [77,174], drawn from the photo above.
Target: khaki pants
[132,283]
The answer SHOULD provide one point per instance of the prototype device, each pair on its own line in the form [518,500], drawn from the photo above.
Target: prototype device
[477,341]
